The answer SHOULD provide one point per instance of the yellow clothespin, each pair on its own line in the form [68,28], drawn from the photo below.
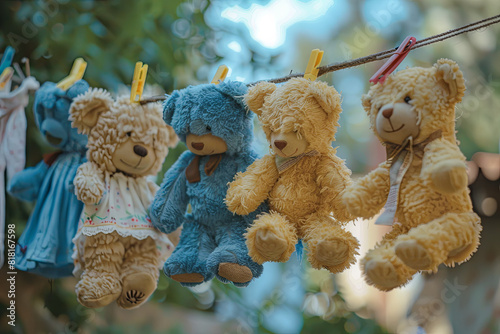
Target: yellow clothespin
[220,75]
[138,81]
[311,72]
[6,76]
[77,71]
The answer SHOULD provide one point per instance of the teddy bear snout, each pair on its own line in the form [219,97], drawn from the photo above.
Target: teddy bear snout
[140,150]
[198,146]
[280,144]
[387,113]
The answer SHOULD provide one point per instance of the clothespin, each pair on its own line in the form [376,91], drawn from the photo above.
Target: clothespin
[7,57]
[5,77]
[77,71]
[394,60]
[220,75]
[311,72]
[138,81]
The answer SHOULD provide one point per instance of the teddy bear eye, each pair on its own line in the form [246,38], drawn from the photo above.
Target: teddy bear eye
[129,133]
[209,128]
[407,99]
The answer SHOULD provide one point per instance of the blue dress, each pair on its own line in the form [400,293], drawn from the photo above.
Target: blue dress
[45,246]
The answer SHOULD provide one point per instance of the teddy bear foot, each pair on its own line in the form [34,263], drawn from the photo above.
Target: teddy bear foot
[270,246]
[381,274]
[188,278]
[332,252]
[91,291]
[235,273]
[414,255]
[136,290]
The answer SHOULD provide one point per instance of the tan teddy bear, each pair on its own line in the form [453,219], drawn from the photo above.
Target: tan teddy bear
[302,181]
[424,180]
[118,251]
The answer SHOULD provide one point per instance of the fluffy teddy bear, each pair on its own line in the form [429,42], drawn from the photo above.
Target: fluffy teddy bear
[218,131]
[303,180]
[46,246]
[117,249]
[423,183]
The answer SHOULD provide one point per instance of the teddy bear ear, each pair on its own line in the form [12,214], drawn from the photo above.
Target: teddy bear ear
[327,97]
[256,96]
[86,109]
[366,101]
[450,77]
[169,107]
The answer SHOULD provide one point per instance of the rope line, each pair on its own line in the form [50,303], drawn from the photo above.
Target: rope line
[373,57]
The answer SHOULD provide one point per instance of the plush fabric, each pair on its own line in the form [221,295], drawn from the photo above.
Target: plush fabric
[118,251]
[434,222]
[212,241]
[304,190]
[45,246]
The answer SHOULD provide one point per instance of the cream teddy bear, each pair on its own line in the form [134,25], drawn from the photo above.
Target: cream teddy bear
[118,250]
[423,184]
[302,181]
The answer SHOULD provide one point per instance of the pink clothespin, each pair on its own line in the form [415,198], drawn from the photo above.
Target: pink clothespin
[394,61]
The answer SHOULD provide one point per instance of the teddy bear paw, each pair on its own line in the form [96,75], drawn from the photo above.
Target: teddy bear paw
[188,278]
[381,274]
[270,246]
[413,255]
[235,273]
[332,252]
[136,290]
[353,203]
[450,176]
[97,291]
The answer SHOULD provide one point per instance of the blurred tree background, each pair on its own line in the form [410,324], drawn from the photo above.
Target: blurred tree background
[183,42]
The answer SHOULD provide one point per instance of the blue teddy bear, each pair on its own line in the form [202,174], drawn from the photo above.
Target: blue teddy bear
[46,247]
[218,130]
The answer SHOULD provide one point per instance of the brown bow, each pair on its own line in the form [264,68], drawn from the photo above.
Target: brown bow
[193,169]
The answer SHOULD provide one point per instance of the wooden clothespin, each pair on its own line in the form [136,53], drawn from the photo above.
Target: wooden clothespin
[138,82]
[394,61]
[220,75]
[77,72]
[311,72]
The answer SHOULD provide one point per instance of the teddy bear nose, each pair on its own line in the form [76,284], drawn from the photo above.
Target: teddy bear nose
[387,113]
[280,144]
[198,146]
[140,150]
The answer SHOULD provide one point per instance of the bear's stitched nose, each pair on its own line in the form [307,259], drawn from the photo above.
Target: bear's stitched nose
[140,150]
[280,144]
[387,113]
[198,146]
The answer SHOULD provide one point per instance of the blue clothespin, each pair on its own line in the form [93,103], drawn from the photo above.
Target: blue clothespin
[7,58]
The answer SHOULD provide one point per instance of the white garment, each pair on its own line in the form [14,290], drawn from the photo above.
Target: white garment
[122,208]
[12,140]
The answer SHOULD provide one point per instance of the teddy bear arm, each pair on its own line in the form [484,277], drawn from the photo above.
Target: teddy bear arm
[333,177]
[26,184]
[444,166]
[252,187]
[170,202]
[367,195]
[89,183]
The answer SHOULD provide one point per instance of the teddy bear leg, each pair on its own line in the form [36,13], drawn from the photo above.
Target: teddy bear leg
[230,261]
[329,246]
[139,272]
[451,238]
[100,282]
[187,264]
[271,238]
[382,268]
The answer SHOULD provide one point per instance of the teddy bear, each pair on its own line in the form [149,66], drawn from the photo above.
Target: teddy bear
[303,179]
[423,184]
[118,251]
[218,131]
[46,246]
